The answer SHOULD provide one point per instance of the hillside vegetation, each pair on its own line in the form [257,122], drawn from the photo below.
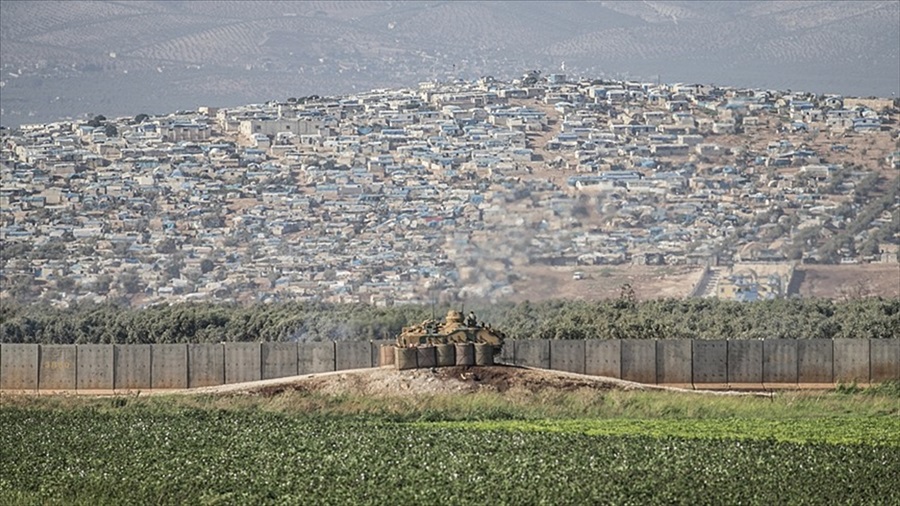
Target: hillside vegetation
[621,318]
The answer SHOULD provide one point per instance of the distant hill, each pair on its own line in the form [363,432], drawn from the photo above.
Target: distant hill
[119,58]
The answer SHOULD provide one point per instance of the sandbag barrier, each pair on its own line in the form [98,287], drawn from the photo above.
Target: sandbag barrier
[439,355]
[465,354]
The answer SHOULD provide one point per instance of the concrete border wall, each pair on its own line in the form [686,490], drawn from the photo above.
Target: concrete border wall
[851,360]
[507,353]
[94,367]
[815,361]
[352,355]
[673,362]
[19,366]
[639,360]
[132,366]
[376,350]
[168,366]
[278,359]
[58,365]
[780,362]
[567,355]
[206,365]
[533,353]
[745,363]
[710,359]
[884,360]
[243,362]
[315,357]
[603,357]
[772,363]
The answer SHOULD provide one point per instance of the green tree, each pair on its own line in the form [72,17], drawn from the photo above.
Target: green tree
[102,284]
[12,250]
[167,246]
[207,265]
[65,284]
[131,282]
[173,267]
[97,121]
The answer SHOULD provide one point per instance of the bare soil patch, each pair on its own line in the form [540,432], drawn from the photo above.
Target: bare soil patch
[604,282]
[850,281]
[389,382]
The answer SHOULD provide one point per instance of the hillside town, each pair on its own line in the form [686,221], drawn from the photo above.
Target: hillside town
[448,190]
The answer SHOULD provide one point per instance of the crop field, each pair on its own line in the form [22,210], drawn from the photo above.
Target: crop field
[839,431]
[298,449]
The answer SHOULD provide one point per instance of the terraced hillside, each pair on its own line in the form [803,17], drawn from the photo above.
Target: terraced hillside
[72,58]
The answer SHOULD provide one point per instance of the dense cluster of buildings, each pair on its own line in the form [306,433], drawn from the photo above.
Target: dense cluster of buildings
[446,190]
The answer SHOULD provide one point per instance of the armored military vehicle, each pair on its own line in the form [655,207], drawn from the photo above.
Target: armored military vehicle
[454,329]
[458,340]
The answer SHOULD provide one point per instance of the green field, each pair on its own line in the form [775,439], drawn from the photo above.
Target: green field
[636,448]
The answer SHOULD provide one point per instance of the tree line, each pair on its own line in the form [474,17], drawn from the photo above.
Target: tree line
[621,318]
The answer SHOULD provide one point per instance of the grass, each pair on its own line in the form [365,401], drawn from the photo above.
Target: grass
[515,404]
[848,430]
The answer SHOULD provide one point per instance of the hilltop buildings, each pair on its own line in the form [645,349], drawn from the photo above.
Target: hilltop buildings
[396,196]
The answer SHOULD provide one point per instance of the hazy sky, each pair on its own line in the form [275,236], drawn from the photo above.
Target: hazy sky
[120,58]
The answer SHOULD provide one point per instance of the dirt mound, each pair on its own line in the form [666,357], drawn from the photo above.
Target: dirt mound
[445,380]
[387,381]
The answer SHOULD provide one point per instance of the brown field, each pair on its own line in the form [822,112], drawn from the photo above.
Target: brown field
[850,281]
[604,282]
[656,282]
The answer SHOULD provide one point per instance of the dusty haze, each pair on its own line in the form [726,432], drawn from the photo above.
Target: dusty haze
[71,59]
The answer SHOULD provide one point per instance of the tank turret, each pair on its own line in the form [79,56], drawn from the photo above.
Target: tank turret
[455,328]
